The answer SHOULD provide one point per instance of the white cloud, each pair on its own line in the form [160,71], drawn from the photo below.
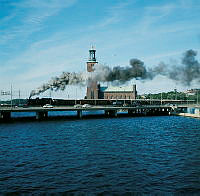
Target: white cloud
[114,15]
[46,4]
[35,13]
[159,19]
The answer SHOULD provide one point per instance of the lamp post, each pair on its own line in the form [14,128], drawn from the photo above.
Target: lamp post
[50,96]
[19,97]
[76,97]
[150,98]
[124,97]
[11,96]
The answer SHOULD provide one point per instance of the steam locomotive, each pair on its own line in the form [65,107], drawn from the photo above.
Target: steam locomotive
[128,102]
[72,102]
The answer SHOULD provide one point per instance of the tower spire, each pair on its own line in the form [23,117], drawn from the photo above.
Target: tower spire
[92,56]
[92,59]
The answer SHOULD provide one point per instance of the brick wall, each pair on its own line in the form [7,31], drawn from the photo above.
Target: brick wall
[119,95]
[90,66]
[93,90]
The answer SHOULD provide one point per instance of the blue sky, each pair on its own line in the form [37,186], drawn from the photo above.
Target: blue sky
[40,39]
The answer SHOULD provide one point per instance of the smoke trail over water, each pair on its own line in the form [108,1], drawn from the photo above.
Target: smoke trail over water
[184,73]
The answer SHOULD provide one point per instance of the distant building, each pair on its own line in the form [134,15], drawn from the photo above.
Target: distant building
[95,91]
[192,91]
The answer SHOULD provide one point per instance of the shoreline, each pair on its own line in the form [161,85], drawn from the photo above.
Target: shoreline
[187,115]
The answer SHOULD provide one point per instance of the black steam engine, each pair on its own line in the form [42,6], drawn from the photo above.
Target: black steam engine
[103,102]
[66,102]
[72,102]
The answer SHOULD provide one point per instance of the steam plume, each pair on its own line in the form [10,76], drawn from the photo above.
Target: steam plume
[121,74]
[185,73]
[60,83]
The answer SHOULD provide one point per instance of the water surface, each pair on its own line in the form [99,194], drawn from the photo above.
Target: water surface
[114,155]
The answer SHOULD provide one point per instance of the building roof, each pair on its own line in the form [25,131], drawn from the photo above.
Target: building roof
[117,89]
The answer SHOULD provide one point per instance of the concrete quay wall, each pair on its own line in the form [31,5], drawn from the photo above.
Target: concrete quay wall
[188,112]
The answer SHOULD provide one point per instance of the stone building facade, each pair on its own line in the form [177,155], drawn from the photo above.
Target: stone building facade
[93,87]
[95,91]
[121,92]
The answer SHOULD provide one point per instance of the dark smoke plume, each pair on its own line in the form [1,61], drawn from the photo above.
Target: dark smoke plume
[60,83]
[185,73]
[121,74]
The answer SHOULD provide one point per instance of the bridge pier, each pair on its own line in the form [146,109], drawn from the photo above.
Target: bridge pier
[5,115]
[106,113]
[111,113]
[144,112]
[131,112]
[41,115]
[80,114]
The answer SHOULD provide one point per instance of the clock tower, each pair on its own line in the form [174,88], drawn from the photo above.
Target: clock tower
[93,87]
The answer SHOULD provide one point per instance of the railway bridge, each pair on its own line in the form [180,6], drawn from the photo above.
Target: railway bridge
[109,111]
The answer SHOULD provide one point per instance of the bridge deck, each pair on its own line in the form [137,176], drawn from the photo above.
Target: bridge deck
[70,108]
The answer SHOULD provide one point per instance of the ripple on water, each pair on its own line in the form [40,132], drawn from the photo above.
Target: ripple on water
[118,155]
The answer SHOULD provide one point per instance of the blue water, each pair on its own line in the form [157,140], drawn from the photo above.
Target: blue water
[69,114]
[149,155]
